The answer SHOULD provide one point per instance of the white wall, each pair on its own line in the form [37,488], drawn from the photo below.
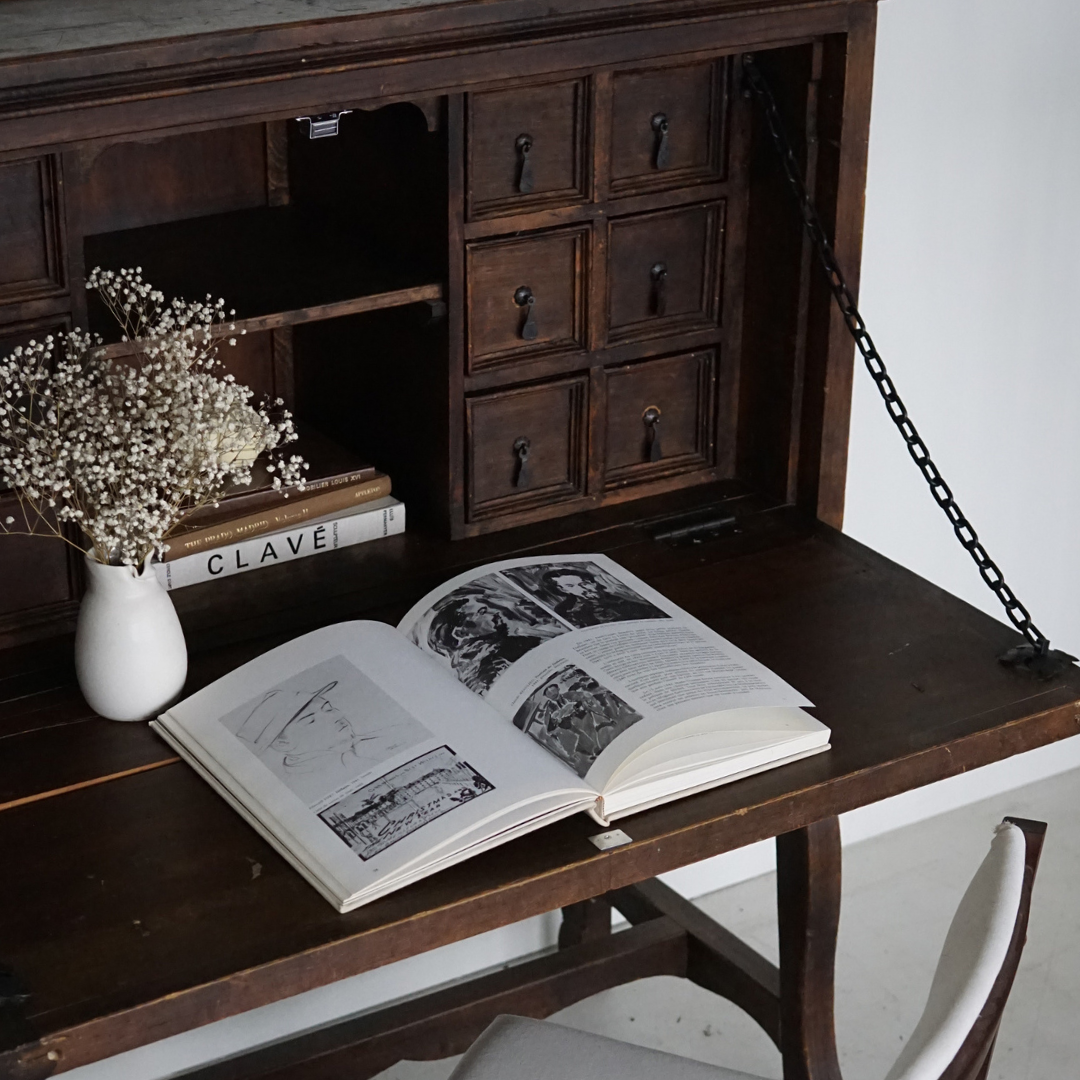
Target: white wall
[971,279]
[970,271]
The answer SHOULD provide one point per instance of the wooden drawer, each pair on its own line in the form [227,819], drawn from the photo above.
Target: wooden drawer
[546,426]
[526,296]
[664,272]
[676,398]
[527,148]
[667,127]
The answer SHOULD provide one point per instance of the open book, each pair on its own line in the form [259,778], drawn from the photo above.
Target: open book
[512,696]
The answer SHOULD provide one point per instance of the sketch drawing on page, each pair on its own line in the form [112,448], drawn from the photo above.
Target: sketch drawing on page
[387,810]
[574,717]
[323,727]
[480,628]
[582,593]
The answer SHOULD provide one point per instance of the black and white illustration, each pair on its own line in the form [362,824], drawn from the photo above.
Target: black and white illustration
[574,717]
[324,727]
[384,812]
[583,593]
[480,628]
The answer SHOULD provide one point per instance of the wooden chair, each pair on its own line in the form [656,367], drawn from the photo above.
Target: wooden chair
[952,1041]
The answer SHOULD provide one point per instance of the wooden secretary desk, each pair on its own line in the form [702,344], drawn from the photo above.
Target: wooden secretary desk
[538,262]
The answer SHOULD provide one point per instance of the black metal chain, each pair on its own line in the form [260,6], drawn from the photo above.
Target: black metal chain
[1037,654]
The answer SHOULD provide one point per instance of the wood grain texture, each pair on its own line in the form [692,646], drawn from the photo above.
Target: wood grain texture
[682,389]
[808,907]
[813,606]
[688,244]
[31,224]
[552,267]
[693,100]
[555,119]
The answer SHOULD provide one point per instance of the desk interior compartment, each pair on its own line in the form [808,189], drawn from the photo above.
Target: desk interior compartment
[285,228]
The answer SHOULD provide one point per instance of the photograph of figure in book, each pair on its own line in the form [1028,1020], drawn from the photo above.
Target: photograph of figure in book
[574,717]
[481,628]
[384,812]
[583,593]
[324,727]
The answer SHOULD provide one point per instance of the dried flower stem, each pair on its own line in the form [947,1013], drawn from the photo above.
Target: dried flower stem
[124,447]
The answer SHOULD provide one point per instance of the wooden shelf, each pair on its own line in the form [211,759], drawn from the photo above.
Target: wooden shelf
[276,266]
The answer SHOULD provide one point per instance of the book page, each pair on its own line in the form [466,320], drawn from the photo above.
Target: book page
[584,657]
[362,753]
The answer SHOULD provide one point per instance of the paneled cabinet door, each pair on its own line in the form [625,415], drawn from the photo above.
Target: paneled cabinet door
[664,272]
[528,148]
[30,230]
[35,572]
[527,447]
[661,418]
[667,127]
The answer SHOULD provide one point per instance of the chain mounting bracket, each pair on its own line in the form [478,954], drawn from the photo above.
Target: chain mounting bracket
[1034,656]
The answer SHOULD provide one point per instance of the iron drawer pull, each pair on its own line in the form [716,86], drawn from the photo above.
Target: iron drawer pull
[521,465]
[658,276]
[524,145]
[651,416]
[661,154]
[523,297]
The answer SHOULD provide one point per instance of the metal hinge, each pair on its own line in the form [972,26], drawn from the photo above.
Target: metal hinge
[324,125]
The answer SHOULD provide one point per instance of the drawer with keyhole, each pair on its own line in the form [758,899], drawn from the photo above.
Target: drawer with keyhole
[526,297]
[526,447]
[527,148]
[664,272]
[661,418]
[667,127]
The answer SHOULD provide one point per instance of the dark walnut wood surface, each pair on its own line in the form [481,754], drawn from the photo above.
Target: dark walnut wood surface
[141,906]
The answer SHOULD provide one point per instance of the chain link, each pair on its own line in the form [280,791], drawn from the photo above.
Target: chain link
[943,496]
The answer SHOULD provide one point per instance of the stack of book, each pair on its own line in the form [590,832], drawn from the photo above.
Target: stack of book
[345,501]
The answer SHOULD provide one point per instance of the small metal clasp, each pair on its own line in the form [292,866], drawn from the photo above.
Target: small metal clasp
[324,125]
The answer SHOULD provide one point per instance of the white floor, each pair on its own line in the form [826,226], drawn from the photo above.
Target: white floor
[900,890]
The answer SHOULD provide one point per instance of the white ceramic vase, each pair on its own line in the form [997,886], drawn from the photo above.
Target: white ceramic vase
[130,653]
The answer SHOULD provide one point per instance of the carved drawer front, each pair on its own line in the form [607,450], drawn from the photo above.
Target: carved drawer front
[526,296]
[664,272]
[32,266]
[661,418]
[527,148]
[527,447]
[667,127]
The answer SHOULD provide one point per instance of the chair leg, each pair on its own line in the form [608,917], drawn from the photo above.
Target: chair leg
[808,900]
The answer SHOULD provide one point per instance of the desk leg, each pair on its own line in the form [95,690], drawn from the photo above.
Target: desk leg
[588,921]
[808,902]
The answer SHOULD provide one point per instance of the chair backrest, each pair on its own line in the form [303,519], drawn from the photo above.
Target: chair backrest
[955,1035]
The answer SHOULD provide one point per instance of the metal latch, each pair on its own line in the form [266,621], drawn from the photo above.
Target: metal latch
[325,124]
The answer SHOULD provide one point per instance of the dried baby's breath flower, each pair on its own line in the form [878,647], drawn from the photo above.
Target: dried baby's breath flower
[123,446]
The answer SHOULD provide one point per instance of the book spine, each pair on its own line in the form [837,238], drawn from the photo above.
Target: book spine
[310,539]
[244,503]
[287,515]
